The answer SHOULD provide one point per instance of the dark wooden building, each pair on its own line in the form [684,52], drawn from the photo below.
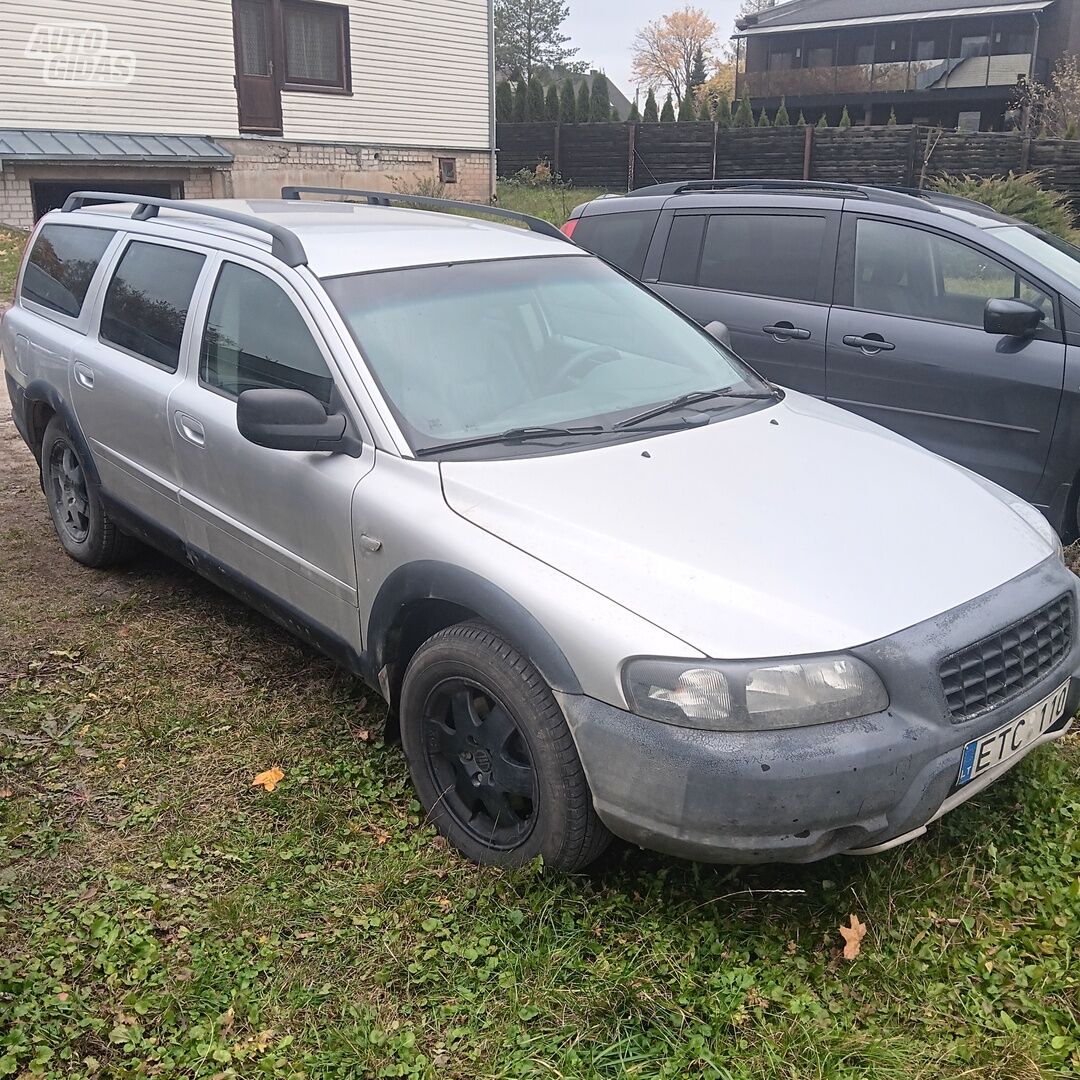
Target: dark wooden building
[941,62]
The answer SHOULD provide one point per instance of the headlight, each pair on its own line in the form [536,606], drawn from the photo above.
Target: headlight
[1039,523]
[754,695]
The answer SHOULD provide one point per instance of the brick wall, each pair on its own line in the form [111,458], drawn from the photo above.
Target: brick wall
[263,166]
[16,206]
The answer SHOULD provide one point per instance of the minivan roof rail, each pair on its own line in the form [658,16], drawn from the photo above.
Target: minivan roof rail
[808,187]
[285,245]
[387,198]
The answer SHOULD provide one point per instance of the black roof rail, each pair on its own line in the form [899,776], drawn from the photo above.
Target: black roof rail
[286,244]
[808,187]
[386,198]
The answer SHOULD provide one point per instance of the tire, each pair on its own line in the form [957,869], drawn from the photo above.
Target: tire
[491,757]
[82,526]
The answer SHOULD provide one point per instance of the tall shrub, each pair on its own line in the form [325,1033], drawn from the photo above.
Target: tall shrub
[521,103]
[782,118]
[687,108]
[599,100]
[583,102]
[723,111]
[568,103]
[536,108]
[551,103]
[667,113]
[845,118]
[504,102]
[1019,195]
[651,115]
[763,119]
[744,114]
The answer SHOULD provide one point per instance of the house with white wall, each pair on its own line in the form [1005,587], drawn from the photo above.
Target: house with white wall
[223,98]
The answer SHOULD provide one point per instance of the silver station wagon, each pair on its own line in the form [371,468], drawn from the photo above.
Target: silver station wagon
[608,578]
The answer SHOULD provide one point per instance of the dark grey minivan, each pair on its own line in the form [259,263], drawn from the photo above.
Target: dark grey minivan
[930,314]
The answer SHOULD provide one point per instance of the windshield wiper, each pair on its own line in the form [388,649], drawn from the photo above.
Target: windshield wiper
[692,399]
[519,434]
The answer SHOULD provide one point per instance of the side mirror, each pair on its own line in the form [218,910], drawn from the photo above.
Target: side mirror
[291,420]
[721,332]
[1012,318]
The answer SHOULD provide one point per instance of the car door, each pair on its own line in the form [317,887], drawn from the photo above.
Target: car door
[126,367]
[906,348]
[274,524]
[767,274]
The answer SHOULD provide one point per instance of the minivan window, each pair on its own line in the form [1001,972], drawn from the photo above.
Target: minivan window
[61,266]
[764,255]
[683,252]
[622,239]
[900,270]
[146,303]
[256,338]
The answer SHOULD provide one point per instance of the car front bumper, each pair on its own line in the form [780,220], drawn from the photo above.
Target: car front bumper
[854,786]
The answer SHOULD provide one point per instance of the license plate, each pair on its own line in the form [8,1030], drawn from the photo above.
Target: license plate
[1014,738]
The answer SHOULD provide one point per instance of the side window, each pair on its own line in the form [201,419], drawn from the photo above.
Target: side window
[764,254]
[621,239]
[683,251]
[62,265]
[255,337]
[146,303]
[904,271]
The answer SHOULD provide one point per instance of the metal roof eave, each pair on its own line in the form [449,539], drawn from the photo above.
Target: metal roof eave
[57,146]
[911,16]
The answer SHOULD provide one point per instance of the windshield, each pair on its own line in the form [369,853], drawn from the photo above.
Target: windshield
[474,349]
[1059,255]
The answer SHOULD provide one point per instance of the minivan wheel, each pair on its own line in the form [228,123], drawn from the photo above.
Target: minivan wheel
[491,757]
[80,521]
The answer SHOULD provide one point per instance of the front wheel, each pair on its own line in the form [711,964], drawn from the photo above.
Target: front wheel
[492,759]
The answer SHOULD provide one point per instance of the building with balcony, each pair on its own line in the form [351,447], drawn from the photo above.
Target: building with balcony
[932,61]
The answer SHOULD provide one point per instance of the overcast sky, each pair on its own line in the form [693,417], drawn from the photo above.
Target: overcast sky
[603,30]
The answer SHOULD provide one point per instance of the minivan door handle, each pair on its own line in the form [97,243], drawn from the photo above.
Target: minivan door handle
[190,429]
[785,331]
[84,375]
[871,343]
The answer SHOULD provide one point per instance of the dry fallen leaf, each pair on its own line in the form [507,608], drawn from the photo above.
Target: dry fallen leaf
[6,793]
[381,837]
[853,936]
[269,780]
[363,734]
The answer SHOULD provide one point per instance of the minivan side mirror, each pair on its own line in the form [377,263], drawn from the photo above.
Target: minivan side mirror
[721,332]
[292,420]
[1013,318]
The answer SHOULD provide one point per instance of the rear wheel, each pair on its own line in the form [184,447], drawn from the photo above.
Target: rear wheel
[491,757]
[82,526]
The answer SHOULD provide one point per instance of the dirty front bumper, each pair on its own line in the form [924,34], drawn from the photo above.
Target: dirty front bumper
[807,793]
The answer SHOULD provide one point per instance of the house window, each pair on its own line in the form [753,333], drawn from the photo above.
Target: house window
[816,58]
[924,50]
[976,45]
[316,45]
[864,54]
[780,61]
[447,170]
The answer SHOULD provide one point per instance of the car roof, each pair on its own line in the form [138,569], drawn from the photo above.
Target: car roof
[769,192]
[342,237]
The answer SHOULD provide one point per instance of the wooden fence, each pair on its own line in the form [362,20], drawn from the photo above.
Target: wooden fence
[620,157]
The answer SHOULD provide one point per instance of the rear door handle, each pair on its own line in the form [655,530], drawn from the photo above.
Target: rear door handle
[870,343]
[190,429]
[785,331]
[84,375]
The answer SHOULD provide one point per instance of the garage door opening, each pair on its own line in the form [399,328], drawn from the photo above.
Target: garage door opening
[51,194]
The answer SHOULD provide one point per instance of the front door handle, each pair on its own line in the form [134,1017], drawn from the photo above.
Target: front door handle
[871,343]
[84,375]
[785,331]
[190,429]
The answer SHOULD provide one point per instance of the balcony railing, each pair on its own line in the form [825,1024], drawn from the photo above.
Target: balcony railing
[888,77]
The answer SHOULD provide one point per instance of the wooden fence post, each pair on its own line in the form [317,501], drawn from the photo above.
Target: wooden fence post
[808,151]
[1025,153]
[715,140]
[630,154]
[556,165]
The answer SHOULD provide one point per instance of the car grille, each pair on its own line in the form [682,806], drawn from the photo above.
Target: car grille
[1005,664]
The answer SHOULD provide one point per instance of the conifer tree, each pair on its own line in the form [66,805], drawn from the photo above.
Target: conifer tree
[687,109]
[583,102]
[667,113]
[763,119]
[782,119]
[723,111]
[551,103]
[568,103]
[744,114]
[536,107]
[599,100]
[504,102]
[845,118]
[651,115]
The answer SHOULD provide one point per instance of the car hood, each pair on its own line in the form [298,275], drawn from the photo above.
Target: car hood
[797,528]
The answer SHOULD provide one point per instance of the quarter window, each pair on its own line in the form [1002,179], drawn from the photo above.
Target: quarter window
[146,304]
[255,337]
[904,271]
[61,266]
[622,239]
[764,255]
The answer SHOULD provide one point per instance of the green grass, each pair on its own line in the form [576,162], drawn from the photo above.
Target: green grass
[11,246]
[552,202]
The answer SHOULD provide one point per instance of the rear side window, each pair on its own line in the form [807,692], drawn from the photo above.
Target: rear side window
[621,239]
[764,255]
[62,265]
[147,301]
[683,252]
[255,337]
